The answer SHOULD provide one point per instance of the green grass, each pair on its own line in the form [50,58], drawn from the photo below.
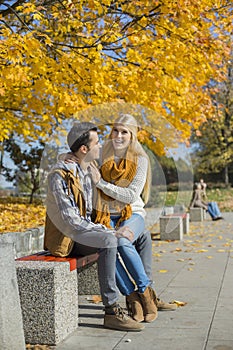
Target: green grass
[224,198]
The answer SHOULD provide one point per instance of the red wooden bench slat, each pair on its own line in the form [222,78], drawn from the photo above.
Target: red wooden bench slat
[74,262]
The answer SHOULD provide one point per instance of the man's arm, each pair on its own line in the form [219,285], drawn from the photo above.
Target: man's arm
[64,213]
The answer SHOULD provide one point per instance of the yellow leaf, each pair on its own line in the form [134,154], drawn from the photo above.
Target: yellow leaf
[99,47]
[37,16]
[163,271]
[179,303]
[95,299]
[209,257]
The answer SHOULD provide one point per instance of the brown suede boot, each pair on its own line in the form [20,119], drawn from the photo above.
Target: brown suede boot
[134,307]
[161,305]
[149,308]
[115,318]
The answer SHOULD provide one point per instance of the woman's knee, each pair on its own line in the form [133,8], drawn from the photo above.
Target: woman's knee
[123,242]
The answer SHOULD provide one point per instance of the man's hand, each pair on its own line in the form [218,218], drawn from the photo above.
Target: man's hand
[125,232]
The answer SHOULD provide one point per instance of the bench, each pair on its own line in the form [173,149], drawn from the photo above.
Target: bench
[48,288]
[197,214]
[174,226]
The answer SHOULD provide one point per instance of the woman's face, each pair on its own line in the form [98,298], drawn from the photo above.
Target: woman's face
[121,137]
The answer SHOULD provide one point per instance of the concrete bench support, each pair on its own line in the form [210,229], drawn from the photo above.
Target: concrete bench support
[197,214]
[11,323]
[88,280]
[171,228]
[186,218]
[49,300]
[48,289]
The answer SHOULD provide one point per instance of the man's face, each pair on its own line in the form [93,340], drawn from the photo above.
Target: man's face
[94,147]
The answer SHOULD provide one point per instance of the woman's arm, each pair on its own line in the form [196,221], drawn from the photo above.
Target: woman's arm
[132,192]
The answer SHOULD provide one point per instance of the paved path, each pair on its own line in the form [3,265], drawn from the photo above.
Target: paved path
[198,271]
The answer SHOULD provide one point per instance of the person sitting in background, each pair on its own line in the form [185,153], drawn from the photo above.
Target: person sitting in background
[203,187]
[198,201]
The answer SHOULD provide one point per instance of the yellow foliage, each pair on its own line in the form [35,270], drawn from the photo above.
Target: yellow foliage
[155,54]
[18,217]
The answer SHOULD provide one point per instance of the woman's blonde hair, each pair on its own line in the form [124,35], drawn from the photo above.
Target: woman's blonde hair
[129,122]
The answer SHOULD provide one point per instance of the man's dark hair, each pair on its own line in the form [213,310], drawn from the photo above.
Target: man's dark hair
[80,135]
[82,140]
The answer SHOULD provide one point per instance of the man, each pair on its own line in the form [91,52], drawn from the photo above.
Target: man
[69,230]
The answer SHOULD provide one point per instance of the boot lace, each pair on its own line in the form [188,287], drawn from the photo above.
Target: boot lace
[119,311]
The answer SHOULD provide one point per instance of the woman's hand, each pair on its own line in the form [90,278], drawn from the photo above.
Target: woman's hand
[95,173]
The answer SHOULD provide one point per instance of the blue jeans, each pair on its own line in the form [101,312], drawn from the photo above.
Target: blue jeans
[213,210]
[131,258]
[143,246]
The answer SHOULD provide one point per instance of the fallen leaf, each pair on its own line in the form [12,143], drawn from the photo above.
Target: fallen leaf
[95,299]
[202,250]
[209,257]
[180,260]
[179,303]
[163,271]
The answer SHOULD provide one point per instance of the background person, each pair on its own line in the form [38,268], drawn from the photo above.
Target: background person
[199,202]
[203,187]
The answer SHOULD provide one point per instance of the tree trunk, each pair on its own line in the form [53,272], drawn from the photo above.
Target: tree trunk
[226,176]
[1,157]
[31,197]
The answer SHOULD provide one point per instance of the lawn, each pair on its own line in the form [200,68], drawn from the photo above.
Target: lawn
[224,198]
[16,215]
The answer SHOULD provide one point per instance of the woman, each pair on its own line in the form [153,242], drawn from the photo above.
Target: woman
[198,201]
[123,185]
[123,191]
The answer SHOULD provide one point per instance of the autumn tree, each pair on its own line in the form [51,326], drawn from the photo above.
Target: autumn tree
[61,57]
[214,139]
[26,172]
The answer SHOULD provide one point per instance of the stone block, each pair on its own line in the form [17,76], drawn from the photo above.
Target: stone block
[196,214]
[11,324]
[88,280]
[168,210]
[49,300]
[171,228]
[186,219]
[179,209]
